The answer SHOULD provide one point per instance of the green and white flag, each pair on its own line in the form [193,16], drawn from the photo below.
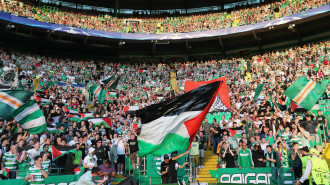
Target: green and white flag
[74,118]
[258,91]
[114,84]
[98,92]
[305,92]
[8,77]
[30,117]
[108,80]
[101,121]
[51,130]
[10,100]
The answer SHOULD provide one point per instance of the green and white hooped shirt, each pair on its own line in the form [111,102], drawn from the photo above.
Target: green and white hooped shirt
[38,177]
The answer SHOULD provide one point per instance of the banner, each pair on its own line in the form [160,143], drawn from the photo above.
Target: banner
[165,36]
[256,176]
[51,180]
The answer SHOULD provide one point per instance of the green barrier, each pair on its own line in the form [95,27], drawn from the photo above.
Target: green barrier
[51,180]
[255,176]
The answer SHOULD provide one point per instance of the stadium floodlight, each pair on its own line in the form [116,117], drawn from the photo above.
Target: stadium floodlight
[292,27]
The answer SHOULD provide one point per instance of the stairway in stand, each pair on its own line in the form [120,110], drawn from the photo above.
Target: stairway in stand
[210,163]
[326,153]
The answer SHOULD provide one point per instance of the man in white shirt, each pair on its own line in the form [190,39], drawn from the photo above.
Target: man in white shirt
[90,159]
[121,154]
[74,141]
[32,153]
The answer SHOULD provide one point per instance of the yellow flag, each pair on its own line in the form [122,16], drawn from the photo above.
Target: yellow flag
[174,83]
[248,76]
[36,84]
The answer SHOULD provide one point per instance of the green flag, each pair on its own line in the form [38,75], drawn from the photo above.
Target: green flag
[98,92]
[258,91]
[114,84]
[108,80]
[305,92]
[10,100]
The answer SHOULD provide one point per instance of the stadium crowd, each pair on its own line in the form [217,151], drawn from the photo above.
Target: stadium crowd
[192,23]
[268,133]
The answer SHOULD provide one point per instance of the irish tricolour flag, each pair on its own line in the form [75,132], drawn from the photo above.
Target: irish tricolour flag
[98,92]
[305,92]
[10,100]
[30,117]
[172,124]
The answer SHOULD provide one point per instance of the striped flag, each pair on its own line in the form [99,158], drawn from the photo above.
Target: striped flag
[71,110]
[236,133]
[112,94]
[143,70]
[128,109]
[114,84]
[10,100]
[305,92]
[108,80]
[51,130]
[85,116]
[43,100]
[75,118]
[258,91]
[101,121]
[98,92]
[172,124]
[57,154]
[30,117]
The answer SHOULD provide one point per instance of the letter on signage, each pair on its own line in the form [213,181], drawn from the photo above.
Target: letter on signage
[225,176]
[239,181]
[249,181]
[261,181]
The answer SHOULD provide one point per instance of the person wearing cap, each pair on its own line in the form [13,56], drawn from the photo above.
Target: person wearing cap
[90,160]
[316,170]
[164,167]
[310,127]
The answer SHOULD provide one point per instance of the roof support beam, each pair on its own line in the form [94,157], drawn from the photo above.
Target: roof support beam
[258,39]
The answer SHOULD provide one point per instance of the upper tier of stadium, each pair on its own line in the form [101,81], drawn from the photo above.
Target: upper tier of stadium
[158,25]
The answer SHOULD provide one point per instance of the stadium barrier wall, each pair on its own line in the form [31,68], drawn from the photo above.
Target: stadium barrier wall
[51,180]
[165,36]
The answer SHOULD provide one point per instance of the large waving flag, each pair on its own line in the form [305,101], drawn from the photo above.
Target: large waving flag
[172,124]
[30,117]
[101,121]
[305,92]
[114,84]
[10,100]
[108,80]
[98,92]
[222,102]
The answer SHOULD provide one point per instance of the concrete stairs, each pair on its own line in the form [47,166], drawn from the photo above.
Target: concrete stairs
[210,163]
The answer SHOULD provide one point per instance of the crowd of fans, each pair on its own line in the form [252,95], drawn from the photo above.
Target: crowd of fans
[265,125]
[191,23]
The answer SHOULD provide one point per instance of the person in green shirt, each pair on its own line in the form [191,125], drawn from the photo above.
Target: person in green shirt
[245,158]
[36,174]
[23,165]
[78,156]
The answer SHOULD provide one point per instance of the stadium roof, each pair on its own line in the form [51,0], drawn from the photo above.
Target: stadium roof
[155,4]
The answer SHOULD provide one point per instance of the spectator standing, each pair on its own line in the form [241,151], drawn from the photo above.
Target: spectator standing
[112,152]
[208,134]
[195,153]
[133,150]
[78,155]
[322,124]
[270,157]
[216,130]
[310,127]
[202,142]
[282,154]
[99,152]
[69,164]
[174,166]
[23,165]
[245,157]
[90,160]
[304,159]
[9,161]
[120,143]
[36,174]
[295,156]
[228,156]
[258,156]
[46,163]
[164,169]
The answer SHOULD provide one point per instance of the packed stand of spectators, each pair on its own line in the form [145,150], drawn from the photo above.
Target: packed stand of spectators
[191,23]
[267,125]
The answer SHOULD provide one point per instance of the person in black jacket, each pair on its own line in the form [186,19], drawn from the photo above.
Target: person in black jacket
[69,164]
[258,156]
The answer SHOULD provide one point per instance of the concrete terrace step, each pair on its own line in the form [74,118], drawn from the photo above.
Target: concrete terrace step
[209,180]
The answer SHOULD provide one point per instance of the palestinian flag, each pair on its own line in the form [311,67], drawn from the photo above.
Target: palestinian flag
[10,100]
[295,106]
[172,124]
[159,97]
[98,92]
[56,119]
[222,101]
[114,84]
[74,118]
[259,89]
[85,116]
[108,80]
[71,110]
[236,133]
[43,100]
[51,130]
[112,94]
[129,109]
[57,154]
[143,70]
[31,118]
[305,92]
[99,121]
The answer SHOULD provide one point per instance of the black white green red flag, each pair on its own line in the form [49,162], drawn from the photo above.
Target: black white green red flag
[172,124]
